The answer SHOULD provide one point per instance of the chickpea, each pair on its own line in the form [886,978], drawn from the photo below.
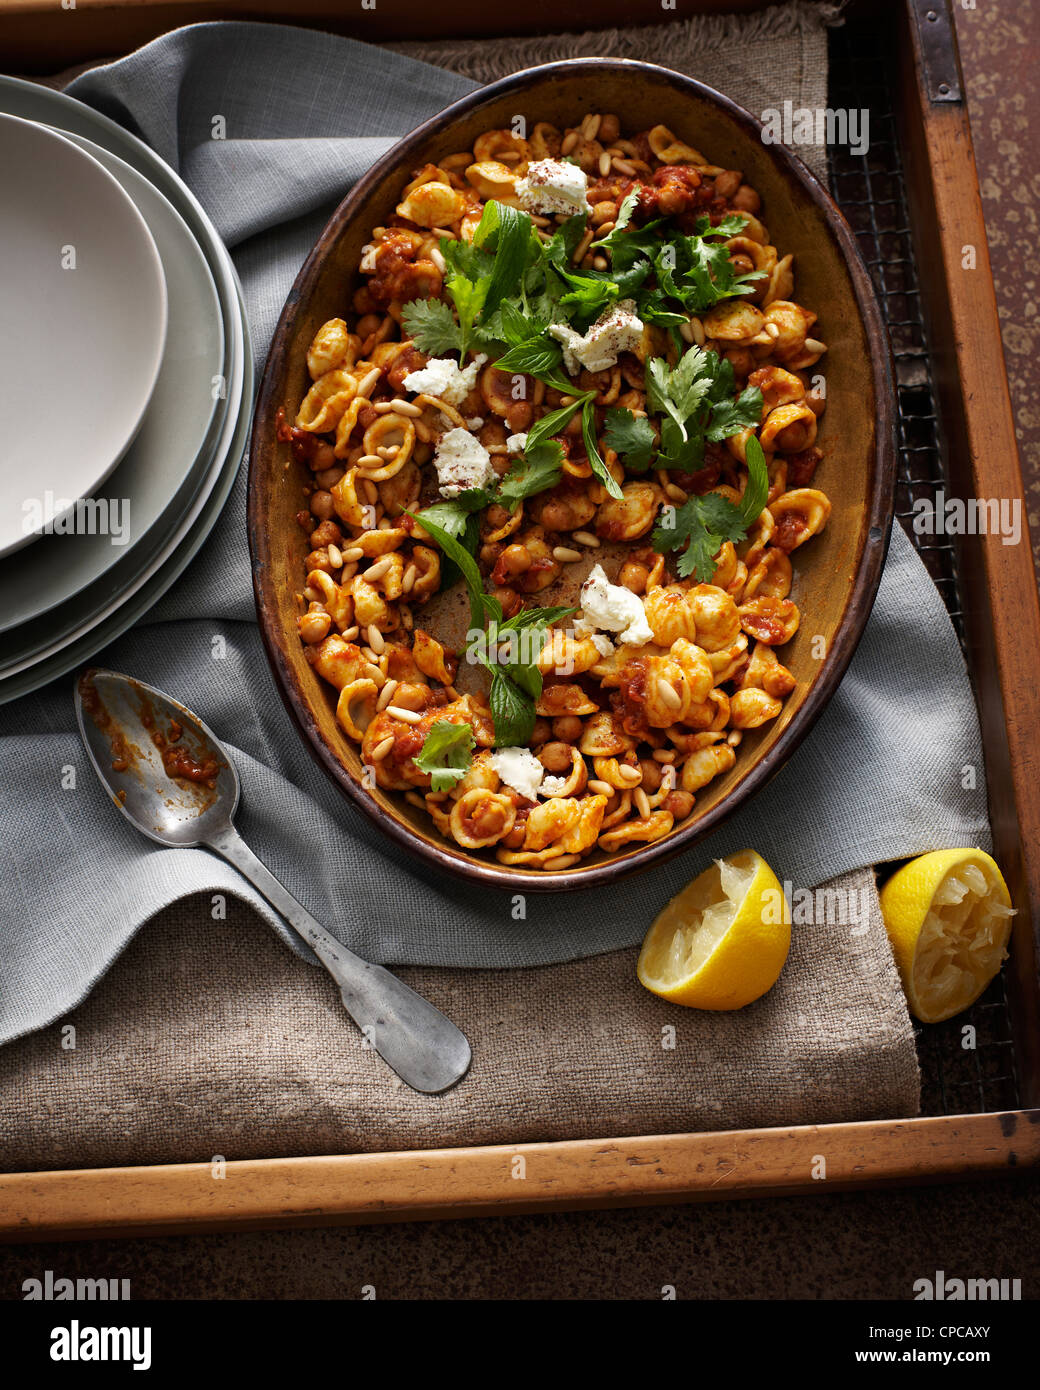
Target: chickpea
[609,129]
[746,200]
[515,838]
[727,183]
[367,324]
[314,624]
[510,600]
[679,803]
[514,561]
[634,576]
[519,416]
[329,477]
[651,774]
[556,757]
[326,533]
[322,458]
[541,732]
[496,516]
[567,728]
[318,560]
[321,505]
[603,212]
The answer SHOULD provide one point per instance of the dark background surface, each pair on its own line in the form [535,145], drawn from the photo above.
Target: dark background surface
[844,1246]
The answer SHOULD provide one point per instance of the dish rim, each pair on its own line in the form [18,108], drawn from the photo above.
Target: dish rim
[876,524]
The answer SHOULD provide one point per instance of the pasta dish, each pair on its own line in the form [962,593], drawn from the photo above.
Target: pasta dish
[575,383]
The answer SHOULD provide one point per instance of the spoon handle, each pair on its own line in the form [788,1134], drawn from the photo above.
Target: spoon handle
[424,1048]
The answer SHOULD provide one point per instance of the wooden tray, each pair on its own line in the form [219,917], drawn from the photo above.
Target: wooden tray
[957,432]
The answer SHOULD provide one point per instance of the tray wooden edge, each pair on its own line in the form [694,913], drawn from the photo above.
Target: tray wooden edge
[998,582]
[514,1179]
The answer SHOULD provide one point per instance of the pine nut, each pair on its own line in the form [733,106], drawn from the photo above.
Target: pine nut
[642,804]
[385,693]
[605,228]
[539,220]
[438,259]
[585,538]
[772,330]
[590,125]
[388,451]
[405,407]
[367,384]
[582,247]
[370,461]
[380,568]
[375,640]
[686,332]
[351,633]
[569,141]
[664,755]
[410,576]
[565,555]
[408,716]
[604,164]
[675,493]
[335,557]
[623,167]
[669,695]
[600,788]
[381,749]
[370,490]
[697,329]
[734,738]
[631,776]
[353,553]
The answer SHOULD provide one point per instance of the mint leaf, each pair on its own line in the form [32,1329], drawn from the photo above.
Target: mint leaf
[431,326]
[446,754]
[756,493]
[481,604]
[512,711]
[553,423]
[509,230]
[535,356]
[588,434]
[630,436]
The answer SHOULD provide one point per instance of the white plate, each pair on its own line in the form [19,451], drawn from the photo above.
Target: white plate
[165,465]
[83,309]
[33,102]
[78,653]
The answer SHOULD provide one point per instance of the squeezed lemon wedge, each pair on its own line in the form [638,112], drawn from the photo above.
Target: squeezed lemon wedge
[722,941]
[948,916]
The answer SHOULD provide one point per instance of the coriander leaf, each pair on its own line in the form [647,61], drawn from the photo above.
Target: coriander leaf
[537,469]
[588,434]
[729,417]
[630,436]
[624,216]
[756,493]
[446,754]
[699,528]
[431,325]
[480,603]
[452,514]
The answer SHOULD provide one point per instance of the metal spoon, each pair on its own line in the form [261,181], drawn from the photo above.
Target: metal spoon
[173,779]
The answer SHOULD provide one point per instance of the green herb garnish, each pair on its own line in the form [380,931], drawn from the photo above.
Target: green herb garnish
[702,525]
[446,754]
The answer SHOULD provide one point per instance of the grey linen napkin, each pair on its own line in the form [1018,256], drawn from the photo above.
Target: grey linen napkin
[881,776]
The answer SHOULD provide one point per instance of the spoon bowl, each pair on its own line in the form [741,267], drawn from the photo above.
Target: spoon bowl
[174,780]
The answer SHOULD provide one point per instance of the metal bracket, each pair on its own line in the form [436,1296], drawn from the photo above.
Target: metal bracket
[937,46]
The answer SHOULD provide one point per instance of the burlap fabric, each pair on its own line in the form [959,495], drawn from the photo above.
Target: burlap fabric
[208,1036]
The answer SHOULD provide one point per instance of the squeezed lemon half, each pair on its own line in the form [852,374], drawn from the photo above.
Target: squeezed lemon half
[948,916]
[722,941]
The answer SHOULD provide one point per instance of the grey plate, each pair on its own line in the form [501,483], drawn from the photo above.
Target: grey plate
[160,476]
[54,108]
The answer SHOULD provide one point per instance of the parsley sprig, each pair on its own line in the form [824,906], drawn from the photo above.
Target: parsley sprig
[702,525]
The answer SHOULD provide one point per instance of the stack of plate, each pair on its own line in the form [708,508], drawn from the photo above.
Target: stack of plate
[126,382]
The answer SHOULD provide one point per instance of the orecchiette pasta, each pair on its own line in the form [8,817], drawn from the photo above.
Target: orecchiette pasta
[637,703]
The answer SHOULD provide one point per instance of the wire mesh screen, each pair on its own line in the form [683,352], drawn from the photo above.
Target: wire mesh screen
[966,1064]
